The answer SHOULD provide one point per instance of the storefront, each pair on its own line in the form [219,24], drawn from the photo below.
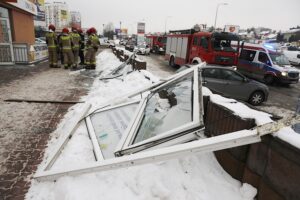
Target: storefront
[16,31]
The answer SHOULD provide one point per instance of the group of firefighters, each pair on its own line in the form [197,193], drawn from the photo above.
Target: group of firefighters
[72,45]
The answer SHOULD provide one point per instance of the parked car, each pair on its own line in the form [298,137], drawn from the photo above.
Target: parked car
[230,83]
[293,54]
[111,43]
[129,46]
[123,42]
[143,49]
[40,41]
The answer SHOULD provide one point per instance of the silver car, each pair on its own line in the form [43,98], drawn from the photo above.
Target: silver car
[230,83]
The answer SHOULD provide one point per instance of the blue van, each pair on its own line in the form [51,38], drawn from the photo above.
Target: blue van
[263,62]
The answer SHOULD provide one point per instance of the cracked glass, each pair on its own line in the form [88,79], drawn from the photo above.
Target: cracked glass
[168,108]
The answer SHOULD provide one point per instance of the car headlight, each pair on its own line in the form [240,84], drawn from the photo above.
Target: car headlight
[284,73]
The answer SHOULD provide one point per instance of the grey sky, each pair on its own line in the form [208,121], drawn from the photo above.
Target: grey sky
[275,14]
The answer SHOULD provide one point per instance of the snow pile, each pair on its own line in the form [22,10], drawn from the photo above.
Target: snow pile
[288,135]
[193,177]
[238,108]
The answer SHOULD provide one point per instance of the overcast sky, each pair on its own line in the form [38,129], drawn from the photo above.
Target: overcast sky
[183,14]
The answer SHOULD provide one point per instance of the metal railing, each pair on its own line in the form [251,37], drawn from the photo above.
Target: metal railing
[21,53]
[5,53]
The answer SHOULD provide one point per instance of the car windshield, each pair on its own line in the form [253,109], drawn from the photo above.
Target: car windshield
[223,42]
[279,59]
[223,45]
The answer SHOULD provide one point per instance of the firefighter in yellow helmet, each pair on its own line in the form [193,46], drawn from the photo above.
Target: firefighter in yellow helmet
[76,40]
[66,44]
[92,46]
[51,41]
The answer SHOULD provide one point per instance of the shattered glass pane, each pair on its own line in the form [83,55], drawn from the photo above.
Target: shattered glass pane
[168,108]
[110,125]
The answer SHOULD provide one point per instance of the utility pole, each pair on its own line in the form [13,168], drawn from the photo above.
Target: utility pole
[166,23]
[220,4]
[103,29]
[120,29]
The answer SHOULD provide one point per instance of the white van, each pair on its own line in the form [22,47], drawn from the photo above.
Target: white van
[266,63]
[293,54]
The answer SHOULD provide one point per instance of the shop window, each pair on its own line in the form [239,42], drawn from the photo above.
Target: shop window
[3,12]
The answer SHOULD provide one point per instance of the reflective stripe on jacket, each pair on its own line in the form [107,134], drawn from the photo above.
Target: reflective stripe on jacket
[65,42]
[76,40]
[93,41]
[51,40]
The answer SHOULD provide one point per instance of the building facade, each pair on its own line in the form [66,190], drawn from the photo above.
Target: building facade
[16,30]
[57,13]
[75,19]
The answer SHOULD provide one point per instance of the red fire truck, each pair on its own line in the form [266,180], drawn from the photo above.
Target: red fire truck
[157,43]
[189,46]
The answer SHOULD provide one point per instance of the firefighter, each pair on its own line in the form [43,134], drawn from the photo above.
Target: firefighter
[92,46]
[81,50]
[51,41]
[76,40]
[66,48]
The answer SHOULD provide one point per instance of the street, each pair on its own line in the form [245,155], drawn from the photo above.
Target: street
[280,96]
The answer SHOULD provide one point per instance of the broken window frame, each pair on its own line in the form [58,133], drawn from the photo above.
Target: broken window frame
[181,134]
[91,130]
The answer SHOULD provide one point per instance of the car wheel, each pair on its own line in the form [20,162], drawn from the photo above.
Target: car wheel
[256,98]
[269,79]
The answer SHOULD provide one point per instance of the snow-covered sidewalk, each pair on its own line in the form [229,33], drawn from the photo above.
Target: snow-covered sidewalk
[193,177]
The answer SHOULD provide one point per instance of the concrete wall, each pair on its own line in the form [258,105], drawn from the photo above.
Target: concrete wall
[272,166]
[23,27]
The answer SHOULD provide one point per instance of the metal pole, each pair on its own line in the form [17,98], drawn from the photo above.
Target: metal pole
[166,23]
[217,13]
[120,28]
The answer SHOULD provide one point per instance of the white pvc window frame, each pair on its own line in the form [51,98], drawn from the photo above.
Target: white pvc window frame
[91,130]
[185,132]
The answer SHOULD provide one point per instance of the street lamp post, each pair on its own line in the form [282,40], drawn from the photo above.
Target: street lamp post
[220,4]
[120,29]
[166,23]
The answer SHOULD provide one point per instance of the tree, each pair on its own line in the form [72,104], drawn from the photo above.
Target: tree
[292,38]
[109,31]
[279,37]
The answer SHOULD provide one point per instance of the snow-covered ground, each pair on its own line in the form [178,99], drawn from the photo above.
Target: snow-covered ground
[194,177]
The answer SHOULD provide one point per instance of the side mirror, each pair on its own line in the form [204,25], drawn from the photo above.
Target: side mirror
[246,80]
